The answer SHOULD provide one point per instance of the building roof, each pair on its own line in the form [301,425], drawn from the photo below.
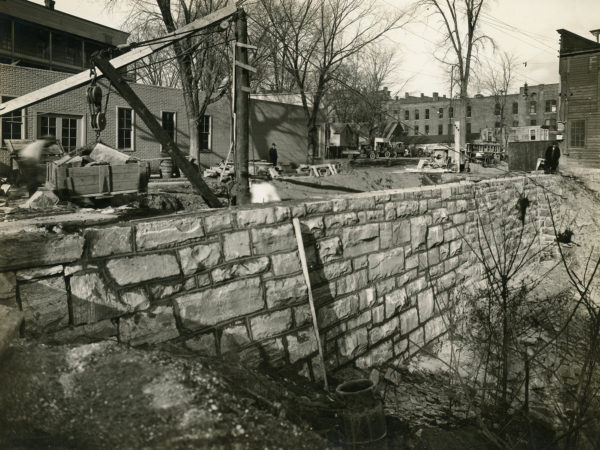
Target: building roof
[58,20]
[571,44]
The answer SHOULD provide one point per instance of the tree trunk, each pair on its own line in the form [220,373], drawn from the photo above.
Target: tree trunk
[313,141]
[194,134]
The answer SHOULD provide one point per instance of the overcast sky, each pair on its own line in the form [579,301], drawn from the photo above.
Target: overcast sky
[525,28]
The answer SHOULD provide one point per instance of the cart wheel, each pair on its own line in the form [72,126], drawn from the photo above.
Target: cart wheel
[372,155]
[387,154]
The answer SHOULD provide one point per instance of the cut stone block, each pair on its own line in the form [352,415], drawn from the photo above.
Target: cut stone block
[44,305]
[148,327]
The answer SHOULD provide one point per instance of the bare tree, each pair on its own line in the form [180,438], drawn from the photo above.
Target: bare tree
[462,39]
[160,68]
[316,38]
[201,59]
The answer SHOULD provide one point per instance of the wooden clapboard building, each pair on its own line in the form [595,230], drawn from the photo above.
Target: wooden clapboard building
[579,108]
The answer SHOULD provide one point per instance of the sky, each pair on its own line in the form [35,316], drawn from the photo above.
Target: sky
[523,28]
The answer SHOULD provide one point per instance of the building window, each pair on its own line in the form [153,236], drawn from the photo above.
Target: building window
[168,124]
[406,114]
[451,112]
[532,134]
[64,129]
[468,128]
[533,123]
[48,126]
[515,123]
[427,113]
[515,108]
[204,129]
[441,113]
[416,114]
[31,40]
[577,133]
[532,107]
[11,125]
[5,34]
[497,109]
[551,106]
[66,49]
[68,137]
[416,130]
[440,129]
[426,129]
[124,129]
[550,124]
[468,110]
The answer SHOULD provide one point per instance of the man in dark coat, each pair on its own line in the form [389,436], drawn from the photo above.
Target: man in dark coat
[552,156]
[273,154]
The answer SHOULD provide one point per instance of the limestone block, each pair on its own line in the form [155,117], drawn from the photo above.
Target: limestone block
[136,299]
[451,234]
[434,328]
[10,323]
[8,286]
[318,207]
[205,344]
[440,215]
[302,315]
[163,290]
[459,218]
[329,249]
[211,306]
[362,262]
[385,235]
[190,283]
[352,283]
[416,286]
[400,347]
[407,208]
[339,204]
[389,211]
[253,217]
[451,264]
[93,300]
[37,249]
[148,327]
[361,320]
[376,356]
[286,263]
[383,331]
[285,291]
[312,228]
[341,220]
[367,298]
[386,264]
[361,204]
[409,320]
[38,272]
[418,232]
[301,345]
[166,232]
[375,215]
[135,269]
[272,240]
[86,334]
[298,211]
[378,314]
[360,239]
[242,269]
[434,203]
[268,325]
[416,341]
[425,304]
[336,269]
[411,262]
[271,352]
[234,338]
[217,222]
[337,311]
[395,300]
[400,232]
[108,241]
[200,257]
[433,256]
[335,331]
[423,206]
[446,281]
[44,304]
[385,286]
[202,280]
[435,236]
[353,343]
[236,245]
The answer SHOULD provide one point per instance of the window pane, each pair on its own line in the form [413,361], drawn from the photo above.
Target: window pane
[12,124]
[31,40]
[47,126]
[124,128]
[204,130]
[515,108]
[5,34]
[577,133]
[168,123]
[69,133]
[66,49]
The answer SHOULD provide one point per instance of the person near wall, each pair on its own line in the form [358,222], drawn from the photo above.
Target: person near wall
[29,159]
[552,157]
[273,154]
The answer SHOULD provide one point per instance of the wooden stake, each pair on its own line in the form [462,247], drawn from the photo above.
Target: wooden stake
[298,232]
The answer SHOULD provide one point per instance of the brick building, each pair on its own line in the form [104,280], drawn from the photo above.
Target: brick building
[434,116]
[30,62]
[580,97]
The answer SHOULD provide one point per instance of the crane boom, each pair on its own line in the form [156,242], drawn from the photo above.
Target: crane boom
[82,78]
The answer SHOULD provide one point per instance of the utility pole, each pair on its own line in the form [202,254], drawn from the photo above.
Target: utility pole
[242,116]
[157,131]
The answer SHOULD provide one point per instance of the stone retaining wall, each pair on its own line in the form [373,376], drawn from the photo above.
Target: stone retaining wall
[229,281]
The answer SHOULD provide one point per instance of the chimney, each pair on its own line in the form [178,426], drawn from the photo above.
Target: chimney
[422,95]
[596,33]
[406,95]
[435,97]
[49,4]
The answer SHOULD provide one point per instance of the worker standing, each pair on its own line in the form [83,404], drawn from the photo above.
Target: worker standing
[29,159]
[273,154]
[552,157]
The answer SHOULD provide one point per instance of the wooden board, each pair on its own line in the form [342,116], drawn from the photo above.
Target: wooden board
[83,78]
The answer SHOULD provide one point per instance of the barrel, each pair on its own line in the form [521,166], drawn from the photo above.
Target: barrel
[166,168]
[362,419]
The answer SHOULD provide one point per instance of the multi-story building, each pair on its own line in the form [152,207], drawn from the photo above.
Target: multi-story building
[40,46]
[579,111]
[434,116]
